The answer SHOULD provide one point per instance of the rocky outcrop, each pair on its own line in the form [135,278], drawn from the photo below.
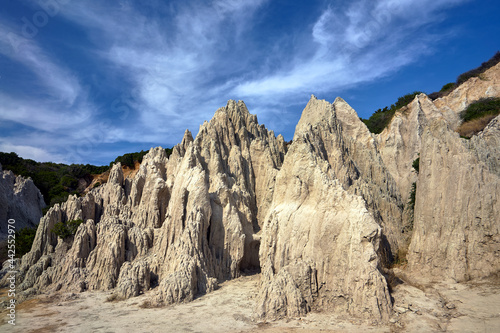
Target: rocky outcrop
[374,182]
[20,200]
[186,222]
[484,86]
[456,181]
[317,229]
[180,225]
[400,142]
[321,217]
[456,234]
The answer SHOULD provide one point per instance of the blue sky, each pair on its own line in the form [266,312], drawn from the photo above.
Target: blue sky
[86,81]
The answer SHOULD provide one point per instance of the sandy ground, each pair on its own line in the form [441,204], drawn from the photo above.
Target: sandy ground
[437,308]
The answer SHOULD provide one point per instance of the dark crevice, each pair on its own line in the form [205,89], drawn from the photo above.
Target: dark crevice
[185,198]
[250,262]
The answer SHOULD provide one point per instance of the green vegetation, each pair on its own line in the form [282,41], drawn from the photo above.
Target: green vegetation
[24,240]
[379,120]
[410,206]
[58,181]
[65,230]
[476,72]
[169,151]
[448,87]
[130,158]
[445,90]
[481,108]
[382,117]
[416,164]
[55,181]
[400,259]
[411,200]
[477,116]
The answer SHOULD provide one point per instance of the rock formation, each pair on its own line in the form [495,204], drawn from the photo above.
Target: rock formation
[181,224]
[316,229]
[456,234]
[486,85]
[401,142]
[20,200]
[322,218]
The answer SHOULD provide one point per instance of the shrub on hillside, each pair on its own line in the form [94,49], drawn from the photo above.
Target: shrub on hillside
[481,108]
[24,240]
[474,126]
[65,230]
[381,118]
[169,151]
[129,159]
[479,70]
[411,204]
[477,116]
[55,181]
[448,87]
[476,72]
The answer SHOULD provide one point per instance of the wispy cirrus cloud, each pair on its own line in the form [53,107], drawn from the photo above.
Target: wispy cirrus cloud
[141,73]
[354,43]
[174,66]
[47,98]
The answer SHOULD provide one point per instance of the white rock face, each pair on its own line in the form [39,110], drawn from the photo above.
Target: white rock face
[400,142]
[180,225]
[457,186]
[20,200]
[319,245]
[374,183]
[457,210]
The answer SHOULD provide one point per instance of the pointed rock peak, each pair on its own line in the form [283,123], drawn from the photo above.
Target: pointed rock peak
[422,108]
[313,97]
[315,112]
[236,107]
[157,153]
[349,119]
[116,174]
[187,139]
[233,109]
[236,113]
[426,105]
[231,104]
[343,107]
[243,106]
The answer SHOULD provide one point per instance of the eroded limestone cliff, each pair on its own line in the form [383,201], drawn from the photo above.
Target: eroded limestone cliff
[320,242]
[322,218]
[180,225]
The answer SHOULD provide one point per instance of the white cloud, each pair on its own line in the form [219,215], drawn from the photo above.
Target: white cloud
[171,63]
[179,62]
[360,43]
[30,152]
[59,82]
